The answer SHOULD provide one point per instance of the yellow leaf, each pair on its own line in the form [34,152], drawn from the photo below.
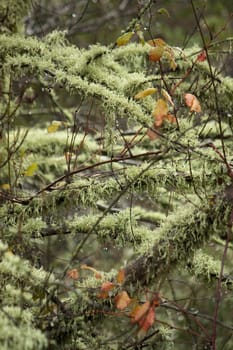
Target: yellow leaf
[167,96]
[5,186]
[145,93]
[31,169]
[9,253]
[160,111]
[124,38]
[54,126]
[173,64]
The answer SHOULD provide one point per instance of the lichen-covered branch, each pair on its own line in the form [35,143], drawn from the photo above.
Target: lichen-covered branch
[183,233]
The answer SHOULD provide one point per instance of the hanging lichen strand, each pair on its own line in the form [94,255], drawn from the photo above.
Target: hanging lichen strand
[115,174]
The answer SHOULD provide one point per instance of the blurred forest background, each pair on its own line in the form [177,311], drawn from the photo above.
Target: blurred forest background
[90,22]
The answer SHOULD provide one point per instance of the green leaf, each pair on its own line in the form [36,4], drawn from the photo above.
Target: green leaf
[124,38]
[163,11]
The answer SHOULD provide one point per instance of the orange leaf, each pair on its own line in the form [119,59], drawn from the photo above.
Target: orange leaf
[147,321]
[192,102]
[159,121]
[158,49]
[103,295]
[73,274]
[139,311]
[157,301]
[106,286]
[122,300]
[145,93]
[157,42]
[156,53]
[121,276]
[96,273]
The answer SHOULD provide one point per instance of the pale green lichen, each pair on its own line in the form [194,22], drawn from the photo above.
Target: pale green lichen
[20,335]
[19,268]
[205,266]
[162,242]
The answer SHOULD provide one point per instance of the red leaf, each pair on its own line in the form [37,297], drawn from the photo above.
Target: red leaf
[202,56]
[139,312]
[147,321]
